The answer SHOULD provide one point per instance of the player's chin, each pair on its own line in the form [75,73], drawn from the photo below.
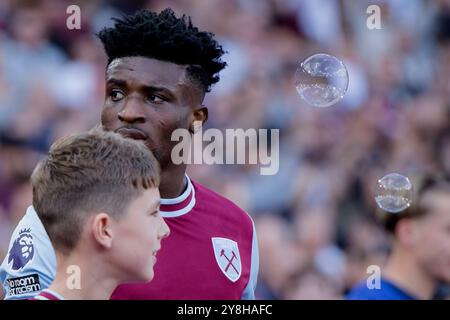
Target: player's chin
[152,146]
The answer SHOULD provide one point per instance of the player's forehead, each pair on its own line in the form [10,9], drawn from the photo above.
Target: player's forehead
[147,72]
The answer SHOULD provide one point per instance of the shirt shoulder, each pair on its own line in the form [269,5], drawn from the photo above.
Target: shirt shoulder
[30,264]
[212,200]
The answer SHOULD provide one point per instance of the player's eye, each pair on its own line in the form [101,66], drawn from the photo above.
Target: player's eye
[116,95]
[154,99]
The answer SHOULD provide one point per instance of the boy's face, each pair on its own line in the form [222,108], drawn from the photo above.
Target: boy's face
[147,99]
[432,241]
[137,237]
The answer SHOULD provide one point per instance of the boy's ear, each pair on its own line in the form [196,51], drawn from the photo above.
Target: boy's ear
[102,230]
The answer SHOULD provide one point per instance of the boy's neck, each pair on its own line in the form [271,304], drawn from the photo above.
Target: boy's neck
[403,270]
[95,285]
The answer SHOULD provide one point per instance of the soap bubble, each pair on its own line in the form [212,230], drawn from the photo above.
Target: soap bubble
[394,193]
[321,80]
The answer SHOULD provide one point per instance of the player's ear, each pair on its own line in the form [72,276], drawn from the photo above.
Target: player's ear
[204,113]
[201,114]
[102,230]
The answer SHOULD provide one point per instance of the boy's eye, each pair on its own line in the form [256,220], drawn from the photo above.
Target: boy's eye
[116,95]
[154,213]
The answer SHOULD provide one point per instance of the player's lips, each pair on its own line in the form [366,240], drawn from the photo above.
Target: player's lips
[132,133]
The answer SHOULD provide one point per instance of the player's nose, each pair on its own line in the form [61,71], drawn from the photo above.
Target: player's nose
[132,111]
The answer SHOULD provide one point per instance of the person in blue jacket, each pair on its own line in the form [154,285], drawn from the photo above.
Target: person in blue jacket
[420,257]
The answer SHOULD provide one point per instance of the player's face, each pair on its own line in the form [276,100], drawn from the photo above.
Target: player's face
[433,245]
[147,99]
[137,237]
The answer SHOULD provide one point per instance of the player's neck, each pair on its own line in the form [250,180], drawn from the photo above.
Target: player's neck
[173,181]
[403,271]
[78,278]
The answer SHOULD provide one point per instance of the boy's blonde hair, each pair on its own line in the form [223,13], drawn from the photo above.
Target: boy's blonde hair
[89,173]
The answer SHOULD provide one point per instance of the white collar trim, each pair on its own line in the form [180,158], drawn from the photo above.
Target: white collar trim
[173,214]
[181,197]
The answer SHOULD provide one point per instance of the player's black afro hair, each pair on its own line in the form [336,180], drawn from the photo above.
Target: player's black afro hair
[165,37]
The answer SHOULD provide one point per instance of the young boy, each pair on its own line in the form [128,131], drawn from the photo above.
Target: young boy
[420,255]
[97,196]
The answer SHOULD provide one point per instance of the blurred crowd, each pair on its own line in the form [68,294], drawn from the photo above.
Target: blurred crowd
[316,218]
